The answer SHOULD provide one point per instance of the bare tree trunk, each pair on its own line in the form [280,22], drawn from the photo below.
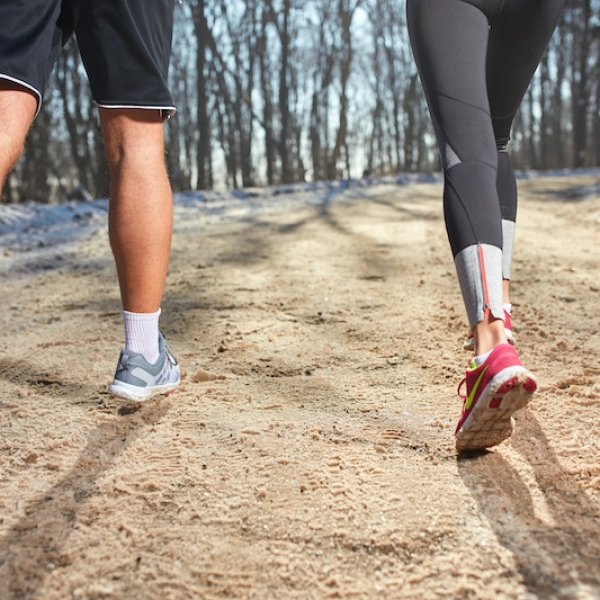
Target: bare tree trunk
[412,151]
[244,79]
[596,124]
[266,120]
[345,13]
[375,143]
[393,79]
[579,86]
[322,78]
[558,105]
[203,153]
[531,129]
[36,162]
[544,141]
[66,77]
[287,173]
[180,142]
[315,136]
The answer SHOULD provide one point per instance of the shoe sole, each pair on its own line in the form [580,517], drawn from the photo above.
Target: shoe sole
[134,393]
[490,422]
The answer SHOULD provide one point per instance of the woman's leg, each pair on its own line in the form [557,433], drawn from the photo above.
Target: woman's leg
[450,42]
[519,36]
[455,53]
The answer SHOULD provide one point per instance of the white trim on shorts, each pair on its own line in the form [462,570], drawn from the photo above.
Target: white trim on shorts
[28,87]
[170,110]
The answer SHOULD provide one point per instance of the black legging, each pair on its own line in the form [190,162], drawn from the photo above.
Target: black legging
[476,59]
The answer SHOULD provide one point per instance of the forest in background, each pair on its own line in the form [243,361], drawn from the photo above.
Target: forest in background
[275,92]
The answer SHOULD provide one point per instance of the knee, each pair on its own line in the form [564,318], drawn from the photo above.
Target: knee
[132,141]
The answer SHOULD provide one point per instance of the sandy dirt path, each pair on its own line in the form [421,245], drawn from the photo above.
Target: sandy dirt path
[309,451]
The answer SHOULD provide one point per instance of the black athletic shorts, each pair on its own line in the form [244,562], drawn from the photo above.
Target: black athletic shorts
[125,46]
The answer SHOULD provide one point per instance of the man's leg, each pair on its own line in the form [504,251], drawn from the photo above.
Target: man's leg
[140,223]
[17,109]
[141,205]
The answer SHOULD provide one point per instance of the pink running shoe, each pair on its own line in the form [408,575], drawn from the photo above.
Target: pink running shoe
[495,390]
[510,336]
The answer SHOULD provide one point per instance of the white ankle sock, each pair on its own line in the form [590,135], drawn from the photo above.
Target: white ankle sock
[507,307]
[141,334]
[479,360]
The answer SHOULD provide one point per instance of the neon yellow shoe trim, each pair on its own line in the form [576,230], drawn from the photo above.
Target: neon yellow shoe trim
[471,396]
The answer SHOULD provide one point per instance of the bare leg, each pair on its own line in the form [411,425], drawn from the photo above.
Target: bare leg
[488,334]
[141,205]
[17,110]
[506,291]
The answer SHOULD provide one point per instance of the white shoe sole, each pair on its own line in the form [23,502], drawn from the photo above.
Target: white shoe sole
[490,422]
[135,393]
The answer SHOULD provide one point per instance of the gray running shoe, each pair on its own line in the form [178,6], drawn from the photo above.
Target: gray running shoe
[137,380]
